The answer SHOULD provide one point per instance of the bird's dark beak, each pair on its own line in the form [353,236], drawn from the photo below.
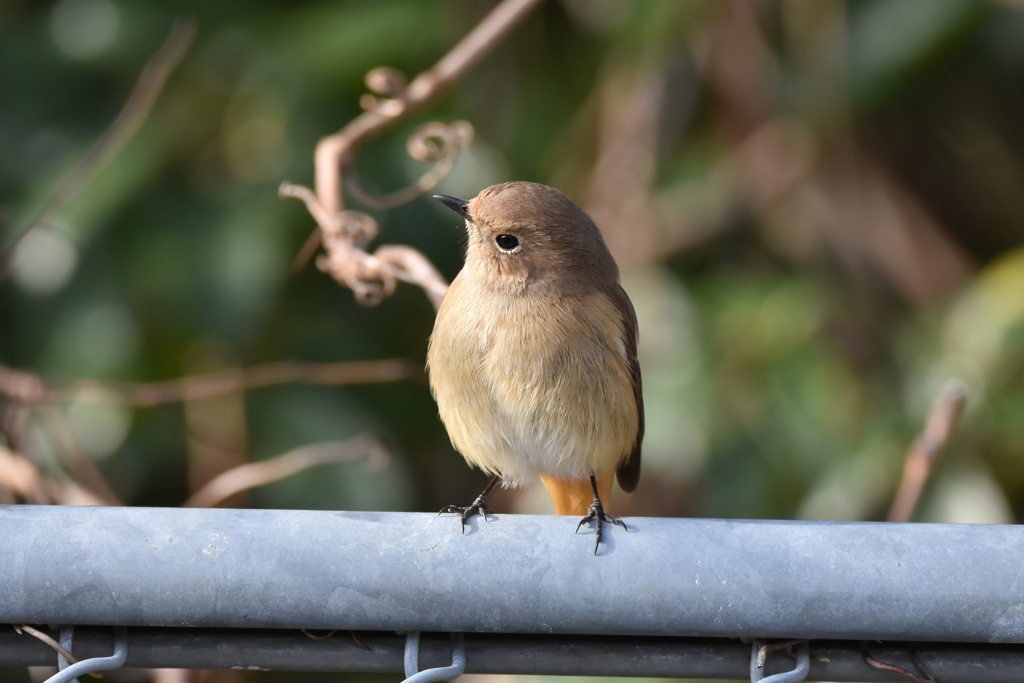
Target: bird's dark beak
[459,206]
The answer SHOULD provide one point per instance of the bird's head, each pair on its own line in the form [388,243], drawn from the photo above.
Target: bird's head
[530,236]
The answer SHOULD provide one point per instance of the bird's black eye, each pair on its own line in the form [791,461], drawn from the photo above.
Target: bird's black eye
[507,243]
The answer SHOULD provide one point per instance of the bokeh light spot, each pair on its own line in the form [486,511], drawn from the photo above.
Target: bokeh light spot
[107,337]
[43,261]
[84,29]
[99,421]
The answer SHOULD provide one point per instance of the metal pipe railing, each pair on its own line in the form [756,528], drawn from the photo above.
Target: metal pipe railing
[514,574]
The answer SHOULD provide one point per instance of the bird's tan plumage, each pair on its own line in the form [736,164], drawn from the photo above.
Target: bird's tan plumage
[533,356]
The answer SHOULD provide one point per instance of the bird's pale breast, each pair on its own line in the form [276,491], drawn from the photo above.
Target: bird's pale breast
[528,386]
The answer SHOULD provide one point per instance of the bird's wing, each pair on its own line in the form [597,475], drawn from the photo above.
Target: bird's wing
[629,470]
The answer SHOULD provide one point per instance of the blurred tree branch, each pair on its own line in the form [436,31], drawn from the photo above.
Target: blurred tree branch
[29,389]
[21,390]
[20,476]
[81,468]
[253,474]
[925,450]
[343,234]
[811,183]
[128,122]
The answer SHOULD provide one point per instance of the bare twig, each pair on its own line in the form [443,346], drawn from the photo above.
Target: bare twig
[13,421]
[121,131]
[52,643]
[283,372]
[916,659]
[19,476]
[313,636]
[71,493]
[373,277]
[264,472]
[333,152]
[763,648]
[331,633]
[22,386]
[31,390]
[883,666]
[925,449]
[433,141]
[83,470]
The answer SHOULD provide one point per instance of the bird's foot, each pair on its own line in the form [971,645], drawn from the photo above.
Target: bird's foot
[598,516]
[478,507]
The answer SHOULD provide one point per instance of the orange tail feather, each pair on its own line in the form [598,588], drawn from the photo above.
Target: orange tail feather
[574,496]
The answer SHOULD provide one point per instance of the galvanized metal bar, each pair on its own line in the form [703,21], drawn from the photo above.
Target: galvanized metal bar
[663,657]
[795,675]
[514,574]
[67,637]
[69,674]
[413,674]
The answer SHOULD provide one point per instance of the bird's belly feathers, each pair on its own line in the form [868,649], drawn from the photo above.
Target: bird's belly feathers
[523,394]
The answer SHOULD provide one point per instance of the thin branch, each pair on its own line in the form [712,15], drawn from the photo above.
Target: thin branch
[82,469]
[358,642]
[52,643]
[128,122]
[884,666]
[146,395]
[433,141]
[312,204]
[763,648]
[19,476]
[283,372]
[925,450]
[373,277]
[264,472]
[333,152]
[312,636]
[411,266]
[919,663]
[23,387]
[71,493]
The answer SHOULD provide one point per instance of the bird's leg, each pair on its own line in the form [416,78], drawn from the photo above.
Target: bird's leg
[597,515]
[478,506]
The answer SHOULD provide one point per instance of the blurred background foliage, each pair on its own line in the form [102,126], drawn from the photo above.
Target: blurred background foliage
[817,205]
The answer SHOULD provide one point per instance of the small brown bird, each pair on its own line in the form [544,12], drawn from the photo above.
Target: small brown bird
[533,356]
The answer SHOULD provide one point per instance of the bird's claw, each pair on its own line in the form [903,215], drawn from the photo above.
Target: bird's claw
[597,515]
[478,507]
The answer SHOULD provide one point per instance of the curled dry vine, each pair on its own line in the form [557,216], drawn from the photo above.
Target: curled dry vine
[345,234]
